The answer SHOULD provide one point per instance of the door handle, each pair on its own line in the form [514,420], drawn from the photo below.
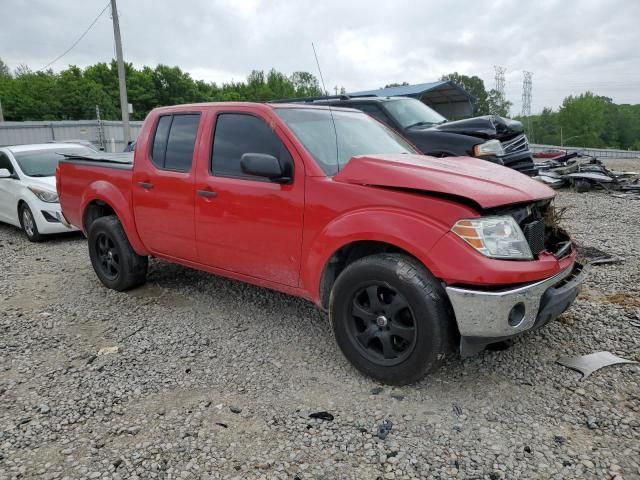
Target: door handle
[207,193]
[146,185]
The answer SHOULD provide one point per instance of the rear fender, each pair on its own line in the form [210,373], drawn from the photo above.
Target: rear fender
[412,233]
[120,204]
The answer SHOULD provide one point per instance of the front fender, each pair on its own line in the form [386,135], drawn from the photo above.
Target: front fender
[109,194]
[402,229]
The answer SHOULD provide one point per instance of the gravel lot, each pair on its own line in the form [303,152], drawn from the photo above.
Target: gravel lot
[215,379]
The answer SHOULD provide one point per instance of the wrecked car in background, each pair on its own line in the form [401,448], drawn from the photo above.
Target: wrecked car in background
[490,137]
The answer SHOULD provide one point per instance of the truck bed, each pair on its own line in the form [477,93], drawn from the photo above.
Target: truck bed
[112,160]
[99,176]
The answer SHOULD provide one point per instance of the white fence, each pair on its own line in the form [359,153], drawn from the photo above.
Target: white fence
[596,152]
[107,134]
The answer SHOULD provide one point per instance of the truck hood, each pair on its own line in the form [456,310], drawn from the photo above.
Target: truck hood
[486,184]
[488,126]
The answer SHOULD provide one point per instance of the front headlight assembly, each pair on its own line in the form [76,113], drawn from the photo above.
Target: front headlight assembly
[491,148]
[495,237]
[44,195]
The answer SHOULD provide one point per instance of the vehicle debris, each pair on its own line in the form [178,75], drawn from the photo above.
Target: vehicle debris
[587,364]
[595,256]
[384,429]
[583,172]
[326,416]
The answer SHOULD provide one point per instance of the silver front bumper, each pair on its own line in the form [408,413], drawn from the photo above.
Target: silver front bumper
[486,313]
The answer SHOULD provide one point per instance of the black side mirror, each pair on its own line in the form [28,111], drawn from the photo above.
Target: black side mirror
[263,165]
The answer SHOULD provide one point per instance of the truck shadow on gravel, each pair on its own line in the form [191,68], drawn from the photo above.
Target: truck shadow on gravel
[251,307]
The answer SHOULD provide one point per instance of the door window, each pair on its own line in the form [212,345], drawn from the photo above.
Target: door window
[174,142]
[236,134]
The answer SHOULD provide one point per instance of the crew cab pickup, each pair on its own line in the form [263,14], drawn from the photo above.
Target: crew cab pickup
[414,257]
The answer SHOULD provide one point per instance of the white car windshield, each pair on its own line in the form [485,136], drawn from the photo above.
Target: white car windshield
[43,163]
[333,141]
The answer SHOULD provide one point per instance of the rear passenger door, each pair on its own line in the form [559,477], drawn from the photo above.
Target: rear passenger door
[247,224]
[163,187]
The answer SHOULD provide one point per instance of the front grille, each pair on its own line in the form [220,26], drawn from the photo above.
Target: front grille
[516,145]
[534,233]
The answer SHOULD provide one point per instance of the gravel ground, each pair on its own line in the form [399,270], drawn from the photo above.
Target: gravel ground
[216,379]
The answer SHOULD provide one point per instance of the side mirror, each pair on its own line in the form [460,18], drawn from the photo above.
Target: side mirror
[4,173]
[263,165]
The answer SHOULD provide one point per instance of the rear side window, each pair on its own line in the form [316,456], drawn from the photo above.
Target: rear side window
[237,134]
[174,142]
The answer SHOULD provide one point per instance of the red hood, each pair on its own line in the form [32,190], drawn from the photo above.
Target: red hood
[487,184]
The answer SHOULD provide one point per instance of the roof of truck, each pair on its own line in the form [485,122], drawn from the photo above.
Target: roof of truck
[265,106]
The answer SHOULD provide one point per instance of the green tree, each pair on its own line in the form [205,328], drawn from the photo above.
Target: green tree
[4,69]
[497,104]
[403,84]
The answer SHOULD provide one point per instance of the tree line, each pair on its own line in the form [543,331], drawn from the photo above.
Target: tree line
[587,120]
[74,93]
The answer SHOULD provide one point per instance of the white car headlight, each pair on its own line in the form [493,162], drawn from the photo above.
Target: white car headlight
[490,148]
[495,237]
[44,195]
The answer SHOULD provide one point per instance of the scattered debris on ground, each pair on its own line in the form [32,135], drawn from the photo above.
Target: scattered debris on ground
[587,364]
[583,173]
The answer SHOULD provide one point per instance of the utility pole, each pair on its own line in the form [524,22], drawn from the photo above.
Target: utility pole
[499,87]
[526,100]
[124,102]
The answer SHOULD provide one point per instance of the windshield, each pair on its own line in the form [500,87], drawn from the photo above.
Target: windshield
[43,163]
[410,112]
[356,134]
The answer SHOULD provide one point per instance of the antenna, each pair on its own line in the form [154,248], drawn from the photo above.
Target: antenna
[326,92]
[333,120]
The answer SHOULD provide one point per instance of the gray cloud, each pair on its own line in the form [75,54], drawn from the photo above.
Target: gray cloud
[571,46]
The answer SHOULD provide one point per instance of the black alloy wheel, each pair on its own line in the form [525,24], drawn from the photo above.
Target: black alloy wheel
[108,255]
[382,324]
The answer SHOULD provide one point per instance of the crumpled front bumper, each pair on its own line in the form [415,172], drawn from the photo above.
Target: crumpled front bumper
[486,317]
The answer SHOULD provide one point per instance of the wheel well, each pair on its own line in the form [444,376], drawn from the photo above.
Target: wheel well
[347,255]
[95,210]
[20,203]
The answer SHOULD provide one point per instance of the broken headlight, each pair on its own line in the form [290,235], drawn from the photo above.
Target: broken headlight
[495,237]
[488,149]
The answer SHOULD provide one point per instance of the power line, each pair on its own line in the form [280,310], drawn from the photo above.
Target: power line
[77,41]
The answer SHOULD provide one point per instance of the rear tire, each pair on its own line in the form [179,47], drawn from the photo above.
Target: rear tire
[391,318]
[28,224]
[115,262]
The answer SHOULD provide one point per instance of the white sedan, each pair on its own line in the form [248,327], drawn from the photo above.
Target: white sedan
[28,197]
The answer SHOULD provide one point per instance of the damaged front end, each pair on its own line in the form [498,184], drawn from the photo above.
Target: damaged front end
[487,316]
[540,223]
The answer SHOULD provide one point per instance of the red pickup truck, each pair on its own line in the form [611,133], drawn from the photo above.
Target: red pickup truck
[414,257]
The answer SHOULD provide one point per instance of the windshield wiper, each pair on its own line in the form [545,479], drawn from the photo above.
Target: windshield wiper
[419,124]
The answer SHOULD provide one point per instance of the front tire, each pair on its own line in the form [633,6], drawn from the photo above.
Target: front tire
[115,262]
[28,224]
[391,318]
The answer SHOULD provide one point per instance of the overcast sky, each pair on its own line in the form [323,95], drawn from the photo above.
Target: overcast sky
[571,46]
